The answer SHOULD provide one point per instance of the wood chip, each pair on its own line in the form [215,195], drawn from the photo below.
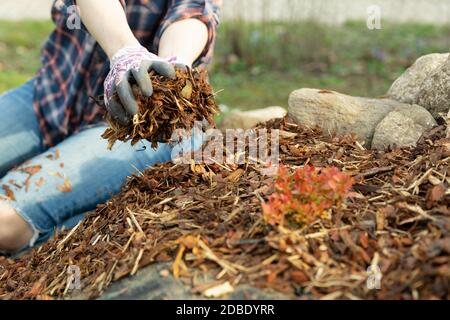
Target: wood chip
[219,290]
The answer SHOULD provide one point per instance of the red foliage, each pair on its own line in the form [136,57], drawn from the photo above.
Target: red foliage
[306,195]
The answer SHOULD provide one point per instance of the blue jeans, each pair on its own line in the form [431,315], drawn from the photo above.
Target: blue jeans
[72,177]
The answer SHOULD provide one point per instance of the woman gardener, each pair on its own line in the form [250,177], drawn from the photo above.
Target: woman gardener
[54,166]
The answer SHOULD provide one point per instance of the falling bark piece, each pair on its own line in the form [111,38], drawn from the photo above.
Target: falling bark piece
[32,170]
[9,193]
[40,182]
[56,174]
[14,183]
[53,156]
[27,183]
[66,186]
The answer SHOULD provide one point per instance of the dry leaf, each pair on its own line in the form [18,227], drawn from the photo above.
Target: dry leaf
[299,277]
[271,277]
[38,287]
[235,175]
[436,193]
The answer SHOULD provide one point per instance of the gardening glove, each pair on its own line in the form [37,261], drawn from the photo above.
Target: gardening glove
[134,61]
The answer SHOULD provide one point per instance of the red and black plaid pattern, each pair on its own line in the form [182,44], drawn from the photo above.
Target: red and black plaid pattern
[74,66]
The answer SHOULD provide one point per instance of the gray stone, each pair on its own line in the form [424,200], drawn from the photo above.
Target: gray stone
[339,113]
[396,130]
[426,83]
[434,93]
[237,119]
[406,87]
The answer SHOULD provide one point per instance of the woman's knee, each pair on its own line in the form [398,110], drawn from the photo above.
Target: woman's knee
[15,232]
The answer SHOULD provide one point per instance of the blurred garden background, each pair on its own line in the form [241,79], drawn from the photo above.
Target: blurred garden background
[266,49]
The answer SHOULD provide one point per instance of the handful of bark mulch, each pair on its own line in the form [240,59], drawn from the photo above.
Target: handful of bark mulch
[175,104]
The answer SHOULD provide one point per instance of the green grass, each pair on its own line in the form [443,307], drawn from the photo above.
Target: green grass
[257,65]
[20,44]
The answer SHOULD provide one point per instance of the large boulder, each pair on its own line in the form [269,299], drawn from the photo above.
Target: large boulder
[339,113]
[434,93]
[426,83]
[237,119]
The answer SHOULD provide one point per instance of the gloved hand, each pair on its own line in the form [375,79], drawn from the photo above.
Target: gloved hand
[136,61]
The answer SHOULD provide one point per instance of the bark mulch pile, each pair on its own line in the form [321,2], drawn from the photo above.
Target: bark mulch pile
[209,218]
[174,104]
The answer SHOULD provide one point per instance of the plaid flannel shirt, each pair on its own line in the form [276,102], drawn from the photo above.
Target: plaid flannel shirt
[74,66]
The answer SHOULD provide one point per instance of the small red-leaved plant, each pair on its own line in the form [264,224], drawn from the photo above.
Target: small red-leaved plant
[306,195]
